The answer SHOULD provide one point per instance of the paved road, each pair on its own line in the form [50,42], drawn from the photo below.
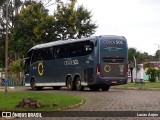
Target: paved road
[113,100]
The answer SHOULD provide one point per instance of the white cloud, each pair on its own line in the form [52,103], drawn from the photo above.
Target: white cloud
[137,20]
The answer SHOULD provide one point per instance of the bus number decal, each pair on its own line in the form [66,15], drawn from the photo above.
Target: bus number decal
[107,68]
[71,62]
[40,68]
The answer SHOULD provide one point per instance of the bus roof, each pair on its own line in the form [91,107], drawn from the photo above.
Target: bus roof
[61,42]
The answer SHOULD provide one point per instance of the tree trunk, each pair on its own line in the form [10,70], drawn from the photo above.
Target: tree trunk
[131,69]
[131,75]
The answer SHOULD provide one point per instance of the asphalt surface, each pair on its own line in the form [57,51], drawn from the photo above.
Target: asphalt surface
[113,100]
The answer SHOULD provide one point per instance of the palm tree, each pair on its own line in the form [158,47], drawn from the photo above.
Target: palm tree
[152,72]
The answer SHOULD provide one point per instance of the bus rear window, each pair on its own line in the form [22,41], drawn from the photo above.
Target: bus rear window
[113,46]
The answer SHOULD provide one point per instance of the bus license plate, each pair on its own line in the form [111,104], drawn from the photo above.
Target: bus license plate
[114,81]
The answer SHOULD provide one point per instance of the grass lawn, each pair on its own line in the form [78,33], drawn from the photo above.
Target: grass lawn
[138,85]
[11,99]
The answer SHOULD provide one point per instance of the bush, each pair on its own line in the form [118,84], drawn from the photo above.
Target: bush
[153,73]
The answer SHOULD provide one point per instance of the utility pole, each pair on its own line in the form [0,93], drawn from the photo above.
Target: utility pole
[159,54]
[6,46]
[135,64]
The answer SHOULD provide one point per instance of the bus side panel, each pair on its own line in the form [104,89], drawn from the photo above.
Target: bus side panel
[91,70]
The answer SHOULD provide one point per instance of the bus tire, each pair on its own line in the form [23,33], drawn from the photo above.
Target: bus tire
[33,84]
[70,84]
[56,87]
[94,88]
[105,88]
[39,88]
[78,85]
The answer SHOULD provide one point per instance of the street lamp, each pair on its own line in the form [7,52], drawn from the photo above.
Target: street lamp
[135,62]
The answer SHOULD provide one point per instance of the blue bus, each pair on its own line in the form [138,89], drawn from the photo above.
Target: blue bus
[96,62]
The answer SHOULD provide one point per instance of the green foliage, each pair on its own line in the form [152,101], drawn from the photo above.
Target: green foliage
[131,53]
[152,72]
[157,54]
[73,22]
[32,25]
[140,57]
[2,2]
[15,67]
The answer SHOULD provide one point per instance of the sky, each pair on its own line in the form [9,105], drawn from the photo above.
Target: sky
[137,20]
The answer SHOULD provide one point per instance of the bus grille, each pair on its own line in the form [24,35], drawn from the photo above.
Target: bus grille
[112,60]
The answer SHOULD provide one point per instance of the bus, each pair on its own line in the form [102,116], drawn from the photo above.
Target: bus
[96,62]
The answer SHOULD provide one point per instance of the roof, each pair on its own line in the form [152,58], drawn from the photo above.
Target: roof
[60,42]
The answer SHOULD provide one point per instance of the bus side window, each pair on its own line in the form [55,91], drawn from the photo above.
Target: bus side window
[54,53]
[88,47]
[79,49]
[40,55]
[57,53]
[46,53]
[65,51]
[34,57]
[61,52]
[73,50]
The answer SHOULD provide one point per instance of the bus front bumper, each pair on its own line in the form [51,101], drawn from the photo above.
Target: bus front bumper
[111,81]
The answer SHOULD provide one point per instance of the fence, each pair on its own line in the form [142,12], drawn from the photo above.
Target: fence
[12,82]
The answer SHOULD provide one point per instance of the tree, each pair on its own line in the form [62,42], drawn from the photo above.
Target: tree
[140,58]
[15,68]
[157,54]
[14,7]
[2,56]
[72,22]
[152,72]
[34,26]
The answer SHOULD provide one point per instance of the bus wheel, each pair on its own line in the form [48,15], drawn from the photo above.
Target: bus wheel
[79,87]
[39,88]
[94,88]
[105,88]
[33,84]
[70,84]
[56,87]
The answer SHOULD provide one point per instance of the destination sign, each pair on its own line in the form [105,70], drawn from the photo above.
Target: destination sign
[119,42]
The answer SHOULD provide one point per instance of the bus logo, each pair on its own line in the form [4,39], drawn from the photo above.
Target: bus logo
[71,62]
[107,68]
[119,42]
[40,68]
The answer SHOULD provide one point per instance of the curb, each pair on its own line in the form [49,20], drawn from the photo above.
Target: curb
[73,106]
[134,88]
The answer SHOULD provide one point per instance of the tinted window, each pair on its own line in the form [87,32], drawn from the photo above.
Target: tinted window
[81,48]
[63,51]
[46,53]
[42,54]
[60,51]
